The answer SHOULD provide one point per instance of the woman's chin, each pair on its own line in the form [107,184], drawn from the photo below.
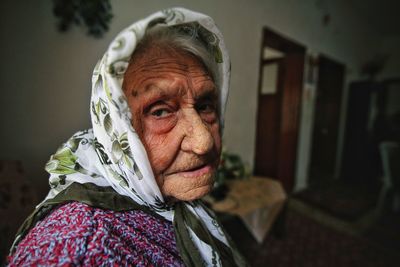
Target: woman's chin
[193,194]
[185,189]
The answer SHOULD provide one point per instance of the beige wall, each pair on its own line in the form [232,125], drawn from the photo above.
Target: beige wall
[45,75]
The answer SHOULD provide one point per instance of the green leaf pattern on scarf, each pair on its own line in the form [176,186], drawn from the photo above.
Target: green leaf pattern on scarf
[62,162]
[122,181]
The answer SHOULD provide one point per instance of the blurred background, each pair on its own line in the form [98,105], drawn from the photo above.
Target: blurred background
[314,104]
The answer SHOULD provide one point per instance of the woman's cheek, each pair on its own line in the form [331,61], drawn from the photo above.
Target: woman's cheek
[215,132]
[156,126]
[209,118]
[157,147]
[217,140]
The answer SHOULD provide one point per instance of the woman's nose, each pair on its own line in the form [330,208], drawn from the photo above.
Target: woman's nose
[198,138]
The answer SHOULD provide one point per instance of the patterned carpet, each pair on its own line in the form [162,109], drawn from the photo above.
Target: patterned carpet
[308,243]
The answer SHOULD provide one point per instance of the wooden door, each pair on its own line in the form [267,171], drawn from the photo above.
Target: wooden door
[326,118]
[278,112]
[268,124]
[290,118]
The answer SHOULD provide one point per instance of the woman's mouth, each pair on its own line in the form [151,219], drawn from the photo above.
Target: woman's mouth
[197,171]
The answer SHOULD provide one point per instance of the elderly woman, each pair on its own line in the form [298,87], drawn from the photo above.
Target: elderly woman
[126,191]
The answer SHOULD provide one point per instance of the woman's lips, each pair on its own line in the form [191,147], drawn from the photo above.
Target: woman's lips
[196,172]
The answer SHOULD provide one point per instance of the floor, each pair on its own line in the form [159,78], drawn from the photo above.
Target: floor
[315,238]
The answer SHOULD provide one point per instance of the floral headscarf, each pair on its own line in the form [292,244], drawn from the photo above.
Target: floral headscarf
[107,166]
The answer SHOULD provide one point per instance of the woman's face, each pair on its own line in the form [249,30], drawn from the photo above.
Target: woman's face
[174,103]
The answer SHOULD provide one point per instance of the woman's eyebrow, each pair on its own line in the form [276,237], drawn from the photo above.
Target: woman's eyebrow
[148,89]
[210,92]
[154,91]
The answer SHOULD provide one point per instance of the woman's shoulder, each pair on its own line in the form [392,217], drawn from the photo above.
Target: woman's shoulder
[76,233]
[60,236]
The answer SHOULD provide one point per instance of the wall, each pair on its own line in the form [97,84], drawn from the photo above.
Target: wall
[390,47]
[45,75]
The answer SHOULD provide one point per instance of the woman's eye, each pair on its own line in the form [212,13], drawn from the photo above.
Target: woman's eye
[162,112]
[159,109]
[206,107]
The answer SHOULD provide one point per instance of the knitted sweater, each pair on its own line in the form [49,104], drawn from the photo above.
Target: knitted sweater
[77,234]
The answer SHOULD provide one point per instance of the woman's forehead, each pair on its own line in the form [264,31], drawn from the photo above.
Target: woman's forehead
[159,57]
[174,85]
[167,72]
[165,87]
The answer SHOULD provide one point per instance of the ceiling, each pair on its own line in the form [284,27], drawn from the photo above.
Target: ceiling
[383,15]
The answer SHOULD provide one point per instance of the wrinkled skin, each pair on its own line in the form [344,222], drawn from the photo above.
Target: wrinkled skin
[173,101]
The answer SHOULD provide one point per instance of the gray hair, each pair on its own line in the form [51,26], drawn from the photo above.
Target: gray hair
[181,37]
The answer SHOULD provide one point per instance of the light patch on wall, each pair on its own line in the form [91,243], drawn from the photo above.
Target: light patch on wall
[270,53]
[270,79]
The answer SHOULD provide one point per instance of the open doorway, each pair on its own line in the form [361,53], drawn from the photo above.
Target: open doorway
[279,98]
[326,119]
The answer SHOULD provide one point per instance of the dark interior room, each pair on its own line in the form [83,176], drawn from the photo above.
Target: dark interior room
[310,165]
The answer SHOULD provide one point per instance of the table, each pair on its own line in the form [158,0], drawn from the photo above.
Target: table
[256,200]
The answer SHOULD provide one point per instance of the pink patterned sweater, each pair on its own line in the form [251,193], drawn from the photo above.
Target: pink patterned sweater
[76,234]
